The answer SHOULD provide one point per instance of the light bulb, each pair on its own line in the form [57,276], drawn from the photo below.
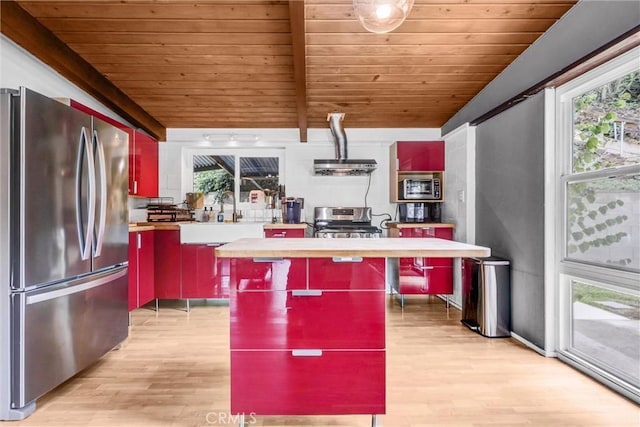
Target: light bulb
[382,16]
[383,11]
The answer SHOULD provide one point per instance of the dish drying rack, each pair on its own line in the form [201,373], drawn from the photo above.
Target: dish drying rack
[163,209]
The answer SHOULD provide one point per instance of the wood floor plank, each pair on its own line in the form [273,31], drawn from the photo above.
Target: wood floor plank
[174,371]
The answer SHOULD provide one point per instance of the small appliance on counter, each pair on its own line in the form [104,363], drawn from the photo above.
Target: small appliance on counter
[292,209]
[420,212]
[422,188]
[162,209]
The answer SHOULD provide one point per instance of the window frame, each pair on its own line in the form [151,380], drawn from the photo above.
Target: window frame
[237,153]
[564,269]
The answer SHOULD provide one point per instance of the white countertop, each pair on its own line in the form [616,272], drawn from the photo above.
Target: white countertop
[347,247]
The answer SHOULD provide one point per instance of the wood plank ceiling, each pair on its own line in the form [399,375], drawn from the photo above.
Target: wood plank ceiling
[245,64]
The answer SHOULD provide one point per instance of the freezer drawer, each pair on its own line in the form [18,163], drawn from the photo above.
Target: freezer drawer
[60,330]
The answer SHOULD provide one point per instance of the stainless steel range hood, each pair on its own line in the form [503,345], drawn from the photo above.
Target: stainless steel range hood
[341,165]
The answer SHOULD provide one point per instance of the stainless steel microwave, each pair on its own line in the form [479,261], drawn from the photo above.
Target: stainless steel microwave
[421,189]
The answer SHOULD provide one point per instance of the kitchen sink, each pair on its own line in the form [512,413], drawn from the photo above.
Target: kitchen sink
[219,232]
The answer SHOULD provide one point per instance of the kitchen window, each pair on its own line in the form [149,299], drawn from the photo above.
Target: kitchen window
[241,174]
[598,189]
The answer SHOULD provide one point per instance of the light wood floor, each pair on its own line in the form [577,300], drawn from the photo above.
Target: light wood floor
[174,371]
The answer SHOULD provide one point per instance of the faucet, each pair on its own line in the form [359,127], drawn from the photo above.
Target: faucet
[235,216]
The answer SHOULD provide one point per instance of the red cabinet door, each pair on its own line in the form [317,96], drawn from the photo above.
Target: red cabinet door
[133,271]
[146,270]
[145,161]
[308,382]
[283,232]
[438,232]
[134,157]
[420,156]
[426,275]
[347,273]
[421,279]
[143,164]
[308,318]
[198,271]
[222,277]
[273,274]
[167,264]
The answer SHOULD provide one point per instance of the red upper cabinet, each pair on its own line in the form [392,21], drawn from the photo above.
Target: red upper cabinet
[143,165]
[416,160]
[143,156]
[419,156]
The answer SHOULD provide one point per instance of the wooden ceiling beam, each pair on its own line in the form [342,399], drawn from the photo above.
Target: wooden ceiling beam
[27,32]
[296,18]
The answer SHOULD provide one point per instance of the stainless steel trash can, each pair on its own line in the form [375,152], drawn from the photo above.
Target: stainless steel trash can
[486,296]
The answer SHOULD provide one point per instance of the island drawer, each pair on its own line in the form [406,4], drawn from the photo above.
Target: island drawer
[308,318]
[308,382]
[270,274]
[347,273]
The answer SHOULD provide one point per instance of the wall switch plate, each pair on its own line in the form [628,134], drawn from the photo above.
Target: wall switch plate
[461,196]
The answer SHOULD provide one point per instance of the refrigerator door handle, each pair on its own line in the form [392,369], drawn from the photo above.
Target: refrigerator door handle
[102,166]
[46,296]
[85,150]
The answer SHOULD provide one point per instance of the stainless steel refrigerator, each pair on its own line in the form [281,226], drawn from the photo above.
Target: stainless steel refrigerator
[63,245]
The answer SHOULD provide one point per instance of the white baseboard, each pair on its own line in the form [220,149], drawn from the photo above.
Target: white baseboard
[532,346]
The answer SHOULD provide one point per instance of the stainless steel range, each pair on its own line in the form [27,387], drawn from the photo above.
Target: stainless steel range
[351,222]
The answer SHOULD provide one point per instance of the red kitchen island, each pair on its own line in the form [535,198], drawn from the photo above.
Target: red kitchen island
[307,322]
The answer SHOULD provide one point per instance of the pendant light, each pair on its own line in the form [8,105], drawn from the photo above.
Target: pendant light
[382,16]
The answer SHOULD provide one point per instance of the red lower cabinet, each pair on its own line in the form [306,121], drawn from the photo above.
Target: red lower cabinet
[307,382]
[185,271]
[429,276]
[168,264]
[133,271]
[307,344]
[141,268]
[284,232]
[198,271]
[146,268]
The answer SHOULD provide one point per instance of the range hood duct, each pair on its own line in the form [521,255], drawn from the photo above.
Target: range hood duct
[342,165]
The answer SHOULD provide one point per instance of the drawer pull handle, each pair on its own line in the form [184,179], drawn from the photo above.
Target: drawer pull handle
[268,259]
[347,259]
[306,293]
[426,267]
[306,353]
[282,234]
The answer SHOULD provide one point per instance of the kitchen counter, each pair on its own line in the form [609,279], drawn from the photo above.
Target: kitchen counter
[282,225]
[420,225]
[148,226]
[344,247]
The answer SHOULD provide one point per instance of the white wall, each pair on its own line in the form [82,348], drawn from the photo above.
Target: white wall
[175,161]
[19,68]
